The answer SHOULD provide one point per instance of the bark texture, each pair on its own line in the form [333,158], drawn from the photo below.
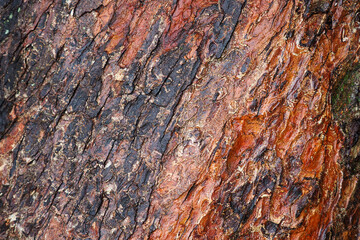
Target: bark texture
[186,119]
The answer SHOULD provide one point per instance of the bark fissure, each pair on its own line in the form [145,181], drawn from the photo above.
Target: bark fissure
[210,119]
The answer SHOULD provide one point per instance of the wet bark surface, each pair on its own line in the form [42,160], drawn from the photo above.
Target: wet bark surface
[179,119]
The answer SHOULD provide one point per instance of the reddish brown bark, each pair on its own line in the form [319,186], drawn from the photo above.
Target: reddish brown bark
[177,119]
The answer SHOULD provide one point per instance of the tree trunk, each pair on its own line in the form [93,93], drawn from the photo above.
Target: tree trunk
[187,119]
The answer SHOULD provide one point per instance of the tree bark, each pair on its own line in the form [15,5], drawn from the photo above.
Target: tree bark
[131,119]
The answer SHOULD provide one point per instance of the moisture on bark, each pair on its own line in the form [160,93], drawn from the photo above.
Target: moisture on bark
[187,119]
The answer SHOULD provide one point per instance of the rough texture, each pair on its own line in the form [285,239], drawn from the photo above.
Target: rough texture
[131,119]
